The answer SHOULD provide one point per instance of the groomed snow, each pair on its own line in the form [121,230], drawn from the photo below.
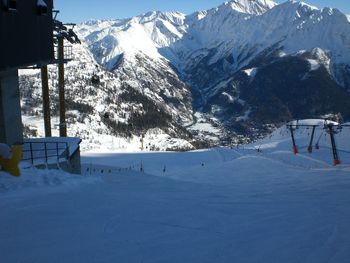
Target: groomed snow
[254,203]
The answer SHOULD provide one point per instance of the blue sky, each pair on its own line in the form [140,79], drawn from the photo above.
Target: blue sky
[81,10]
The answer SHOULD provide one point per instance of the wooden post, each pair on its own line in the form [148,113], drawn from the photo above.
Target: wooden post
[46,100]
[63,125]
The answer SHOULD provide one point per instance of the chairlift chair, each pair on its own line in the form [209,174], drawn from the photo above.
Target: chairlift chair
[95,79]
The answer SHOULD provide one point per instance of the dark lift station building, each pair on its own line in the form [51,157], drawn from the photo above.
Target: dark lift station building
[26,32]
[27,41]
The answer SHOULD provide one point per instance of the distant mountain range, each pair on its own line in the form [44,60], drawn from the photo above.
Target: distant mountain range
[240,68]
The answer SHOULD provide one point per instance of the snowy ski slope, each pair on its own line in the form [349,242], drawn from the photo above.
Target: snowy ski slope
[216,205]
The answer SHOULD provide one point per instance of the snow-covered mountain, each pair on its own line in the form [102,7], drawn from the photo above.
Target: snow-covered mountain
[109,114]
[236,28]
[209,48]
[243,64]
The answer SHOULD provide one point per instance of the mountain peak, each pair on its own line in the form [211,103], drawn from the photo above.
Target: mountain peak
[176,18]
[300,4]
[254,7]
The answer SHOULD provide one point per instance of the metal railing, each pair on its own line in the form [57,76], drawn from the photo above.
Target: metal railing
[45,151]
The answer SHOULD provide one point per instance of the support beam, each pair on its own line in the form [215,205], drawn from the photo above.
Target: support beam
[63,125]
[336,160]
[11,131]
[311,139]
[295,148]
[46,101]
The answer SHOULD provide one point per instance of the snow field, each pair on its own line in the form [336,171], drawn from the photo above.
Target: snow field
[216,205]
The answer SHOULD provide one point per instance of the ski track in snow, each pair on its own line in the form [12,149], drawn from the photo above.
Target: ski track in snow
[217,205]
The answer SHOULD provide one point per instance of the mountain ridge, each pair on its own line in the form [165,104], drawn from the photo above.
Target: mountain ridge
[216,66]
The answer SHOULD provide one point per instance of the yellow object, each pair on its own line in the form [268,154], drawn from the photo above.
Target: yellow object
[11,165]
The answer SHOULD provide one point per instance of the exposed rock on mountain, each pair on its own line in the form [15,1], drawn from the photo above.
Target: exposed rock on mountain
[241,67]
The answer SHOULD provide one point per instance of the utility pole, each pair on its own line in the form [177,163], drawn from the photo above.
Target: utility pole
[63,125]
[46,101]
